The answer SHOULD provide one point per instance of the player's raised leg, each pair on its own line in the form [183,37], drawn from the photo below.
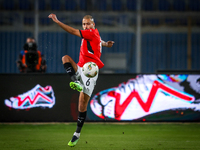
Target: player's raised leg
[71,69]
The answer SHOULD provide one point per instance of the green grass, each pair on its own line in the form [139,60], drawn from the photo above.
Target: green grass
[101,136]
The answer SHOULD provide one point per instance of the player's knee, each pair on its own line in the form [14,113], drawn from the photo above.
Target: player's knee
[65,59]
[82,107]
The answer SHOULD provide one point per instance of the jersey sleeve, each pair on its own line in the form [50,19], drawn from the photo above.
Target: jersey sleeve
[87,34]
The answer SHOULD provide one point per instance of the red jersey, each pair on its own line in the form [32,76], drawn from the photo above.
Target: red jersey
[90,47]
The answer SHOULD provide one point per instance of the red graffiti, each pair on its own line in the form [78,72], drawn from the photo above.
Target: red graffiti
[32,101]
[120,108]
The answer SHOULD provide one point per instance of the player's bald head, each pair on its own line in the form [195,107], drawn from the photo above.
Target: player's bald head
[89,17]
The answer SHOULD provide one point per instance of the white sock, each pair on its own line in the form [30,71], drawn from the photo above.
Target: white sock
[77,134]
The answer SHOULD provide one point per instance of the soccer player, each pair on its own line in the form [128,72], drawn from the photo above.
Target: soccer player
[90,51]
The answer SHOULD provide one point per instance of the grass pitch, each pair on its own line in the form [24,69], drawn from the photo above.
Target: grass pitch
[101,136]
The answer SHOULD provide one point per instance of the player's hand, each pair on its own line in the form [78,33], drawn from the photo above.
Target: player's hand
[54,18]
[109,43]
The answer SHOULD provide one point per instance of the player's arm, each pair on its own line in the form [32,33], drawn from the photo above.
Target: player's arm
[67,28]
[107,44]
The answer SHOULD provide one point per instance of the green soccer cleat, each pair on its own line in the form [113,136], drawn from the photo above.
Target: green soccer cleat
[72,144]
[75,139]
[76,86]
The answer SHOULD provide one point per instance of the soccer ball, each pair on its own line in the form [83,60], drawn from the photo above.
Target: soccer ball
[90,69]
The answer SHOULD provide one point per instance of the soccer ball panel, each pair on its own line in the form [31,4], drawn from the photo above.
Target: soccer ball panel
[90,69]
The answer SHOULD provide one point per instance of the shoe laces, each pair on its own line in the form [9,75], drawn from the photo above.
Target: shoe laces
[31,92]
[139,82]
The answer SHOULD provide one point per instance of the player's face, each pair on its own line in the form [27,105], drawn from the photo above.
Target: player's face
[87,24]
